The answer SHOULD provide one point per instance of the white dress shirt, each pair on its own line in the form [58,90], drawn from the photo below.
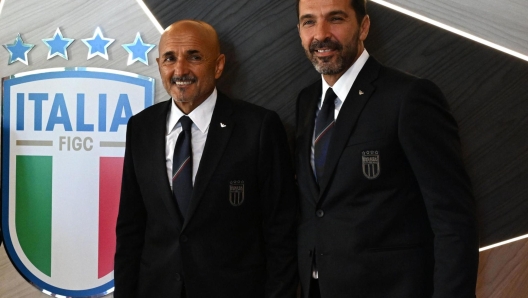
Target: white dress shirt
[341,89]
[201,117]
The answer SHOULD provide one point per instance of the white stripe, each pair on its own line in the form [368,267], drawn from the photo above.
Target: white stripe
[75,213]
[452,29]
[150,16]
[503,242]
[2,2]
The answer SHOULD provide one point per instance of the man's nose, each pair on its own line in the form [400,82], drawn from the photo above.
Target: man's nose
[322,30]
[181,67]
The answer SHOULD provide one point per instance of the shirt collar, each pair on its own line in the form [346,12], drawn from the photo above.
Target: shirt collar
[345,82]
[201,115]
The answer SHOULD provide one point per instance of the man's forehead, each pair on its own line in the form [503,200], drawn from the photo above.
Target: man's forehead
[189,28]
[323,6]
[184,42]
[188,39]
[183,36]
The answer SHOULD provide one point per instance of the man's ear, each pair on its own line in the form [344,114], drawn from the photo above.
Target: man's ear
[364,28]
[220,63]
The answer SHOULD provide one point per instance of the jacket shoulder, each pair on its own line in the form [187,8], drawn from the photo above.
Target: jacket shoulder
[400,78]
[310,89]
[245,108]
[155,109]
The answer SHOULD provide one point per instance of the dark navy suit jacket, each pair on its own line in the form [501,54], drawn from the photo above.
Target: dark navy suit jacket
[393,215]
[220,250]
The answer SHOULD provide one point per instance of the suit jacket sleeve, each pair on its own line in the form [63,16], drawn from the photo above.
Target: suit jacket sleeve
[279,205]
[130,229]
[429,137]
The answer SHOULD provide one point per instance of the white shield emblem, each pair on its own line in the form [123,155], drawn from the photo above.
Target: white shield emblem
[63,136]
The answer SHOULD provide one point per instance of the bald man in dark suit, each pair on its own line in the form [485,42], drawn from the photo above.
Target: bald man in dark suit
[234,235]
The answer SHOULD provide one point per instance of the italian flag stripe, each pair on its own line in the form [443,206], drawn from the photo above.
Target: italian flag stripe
[33,212]
[110,172]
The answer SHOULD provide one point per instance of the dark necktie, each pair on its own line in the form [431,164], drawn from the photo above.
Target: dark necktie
[182,167]
[324,125]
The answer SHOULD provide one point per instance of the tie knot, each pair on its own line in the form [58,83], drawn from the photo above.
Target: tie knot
[186,123]
[330,97]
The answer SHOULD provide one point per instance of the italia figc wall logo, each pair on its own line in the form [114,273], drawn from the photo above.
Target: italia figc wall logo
[63,136]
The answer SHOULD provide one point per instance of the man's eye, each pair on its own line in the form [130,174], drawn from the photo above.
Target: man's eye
[308,23]
[168,59]
[195,58]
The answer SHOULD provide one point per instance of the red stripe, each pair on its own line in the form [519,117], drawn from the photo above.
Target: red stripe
[181,168]
[324,131]
[110,173]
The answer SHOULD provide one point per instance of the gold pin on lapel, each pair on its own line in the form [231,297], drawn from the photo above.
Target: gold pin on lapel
[222,125]
[361,92]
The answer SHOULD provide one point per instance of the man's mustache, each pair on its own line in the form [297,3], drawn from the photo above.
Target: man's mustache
[326,43]
[186,78]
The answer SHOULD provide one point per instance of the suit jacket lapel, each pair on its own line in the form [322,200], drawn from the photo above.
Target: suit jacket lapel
[305,143]
[218,136]
[348,116]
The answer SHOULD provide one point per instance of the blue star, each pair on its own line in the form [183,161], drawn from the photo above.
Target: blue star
[138,50]
[18,50]
[98,45]
[58,45]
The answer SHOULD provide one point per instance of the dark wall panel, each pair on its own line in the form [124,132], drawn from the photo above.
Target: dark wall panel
[488,94]
[487,89]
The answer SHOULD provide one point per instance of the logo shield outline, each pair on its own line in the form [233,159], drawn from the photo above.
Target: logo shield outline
[371,164]
[9,101]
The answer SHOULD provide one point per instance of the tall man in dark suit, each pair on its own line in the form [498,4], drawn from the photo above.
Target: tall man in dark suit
[386,205]
[235,234]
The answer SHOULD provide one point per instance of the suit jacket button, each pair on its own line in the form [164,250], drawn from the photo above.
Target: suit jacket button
[319,213]
[178,277]
[183,238]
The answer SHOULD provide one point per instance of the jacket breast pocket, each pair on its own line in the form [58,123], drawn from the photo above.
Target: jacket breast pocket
[366,136]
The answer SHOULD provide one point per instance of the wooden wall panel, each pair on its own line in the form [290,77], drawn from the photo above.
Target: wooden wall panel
[503,271]
[12,284]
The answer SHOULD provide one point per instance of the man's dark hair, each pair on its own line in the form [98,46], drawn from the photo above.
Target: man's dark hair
[359,6]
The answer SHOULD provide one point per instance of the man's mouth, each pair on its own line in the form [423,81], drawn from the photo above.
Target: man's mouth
[182,81]
[324,53]
[325,47]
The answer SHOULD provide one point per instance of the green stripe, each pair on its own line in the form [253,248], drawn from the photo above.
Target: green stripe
[33,209]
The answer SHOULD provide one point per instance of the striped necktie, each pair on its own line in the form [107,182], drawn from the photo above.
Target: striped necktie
[182,167]
[324,125]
